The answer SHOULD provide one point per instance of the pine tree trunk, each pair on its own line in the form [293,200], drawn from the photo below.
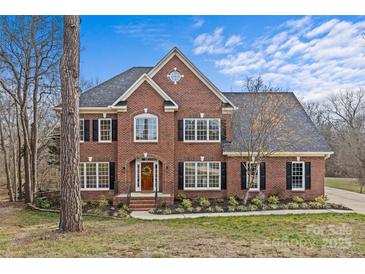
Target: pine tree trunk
[71,211]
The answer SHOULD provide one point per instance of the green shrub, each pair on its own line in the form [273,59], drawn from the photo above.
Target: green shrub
[238,198]
[152,211]
[186,203]
[179,210]
[209,209]
[83,203]
[93,202]
[231,208]
[283,206]
[252,208]
[159,211]
[197,209]
[297,200]
[232,202]
[241,208]
[189,209]
[273,206]
[123,213]
[264,207]
[257,202]
[203,202]
[219,201]
[166,211]
[273,200]
[315,205]
[320,199]
[304,206]
[181,197]
[41,203]
[218,209]
[103,203]
[292,205]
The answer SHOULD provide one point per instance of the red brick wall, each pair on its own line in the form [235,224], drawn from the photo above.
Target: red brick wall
[276,177]
[193,98]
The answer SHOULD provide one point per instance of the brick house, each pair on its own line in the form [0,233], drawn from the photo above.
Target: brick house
[168,129]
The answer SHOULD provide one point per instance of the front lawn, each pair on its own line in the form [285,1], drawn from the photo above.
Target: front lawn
[343,183]
[25,233]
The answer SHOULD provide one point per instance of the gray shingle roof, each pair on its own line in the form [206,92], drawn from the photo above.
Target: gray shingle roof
[108,92]
[298,123]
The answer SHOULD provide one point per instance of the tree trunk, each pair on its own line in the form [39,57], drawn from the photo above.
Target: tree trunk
[6,163]
[20,155]
[71,211]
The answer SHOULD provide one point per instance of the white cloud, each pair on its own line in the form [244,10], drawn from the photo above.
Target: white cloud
[198,22]
[214,43]
[312,59]
[322,28]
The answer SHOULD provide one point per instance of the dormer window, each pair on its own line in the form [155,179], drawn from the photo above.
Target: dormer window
[175,76]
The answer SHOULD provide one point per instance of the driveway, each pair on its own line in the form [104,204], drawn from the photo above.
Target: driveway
[353,200]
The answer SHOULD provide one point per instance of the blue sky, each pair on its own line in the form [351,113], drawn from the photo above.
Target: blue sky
[312,56]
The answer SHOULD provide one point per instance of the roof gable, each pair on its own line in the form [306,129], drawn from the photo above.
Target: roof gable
[176,52]
[146,78]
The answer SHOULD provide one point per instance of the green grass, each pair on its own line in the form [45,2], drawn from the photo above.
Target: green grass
[344,183]
[25,233]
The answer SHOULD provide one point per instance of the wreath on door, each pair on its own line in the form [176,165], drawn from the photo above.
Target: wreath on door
[146,171]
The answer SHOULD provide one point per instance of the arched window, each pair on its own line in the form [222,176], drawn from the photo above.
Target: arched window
[146,128]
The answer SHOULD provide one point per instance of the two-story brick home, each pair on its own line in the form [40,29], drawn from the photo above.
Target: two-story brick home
[168,128]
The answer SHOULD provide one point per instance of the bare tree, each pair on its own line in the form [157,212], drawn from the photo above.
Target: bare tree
[346,115]
[29,57]
[71,211]
[262,129]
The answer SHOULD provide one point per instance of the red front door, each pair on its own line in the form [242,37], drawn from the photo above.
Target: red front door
[147,176]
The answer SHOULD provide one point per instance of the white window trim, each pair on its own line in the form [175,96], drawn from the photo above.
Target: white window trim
[208,173]
[97,176]
[303,176]
[258,177]
[144,115]
[196,130]
[99,129]
[83,130]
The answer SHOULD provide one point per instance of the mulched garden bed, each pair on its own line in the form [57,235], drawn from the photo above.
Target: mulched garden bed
[235,204]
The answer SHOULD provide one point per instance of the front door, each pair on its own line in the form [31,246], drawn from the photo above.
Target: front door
[147,176]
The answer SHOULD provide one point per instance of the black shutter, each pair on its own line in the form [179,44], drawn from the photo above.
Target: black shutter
[114,130]
[181,175]
[223,175]
[243,177]
[180,128]
[288,176]
[86,130]
[223,130]
[111,175]
[95,130]
[262,176]
[307,175]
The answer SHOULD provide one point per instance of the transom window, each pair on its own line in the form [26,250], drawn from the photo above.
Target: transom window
[297,173]
[202,130]
[145,128]
[105,130]
[253,176]
[94,175]
[82,130]
[202,175]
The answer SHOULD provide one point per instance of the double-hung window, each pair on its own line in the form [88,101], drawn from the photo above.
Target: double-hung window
[145,128]
[253,176]
[94,175]
[202,175]
[105,130]
[298,176]
[82,130]
[202,130]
